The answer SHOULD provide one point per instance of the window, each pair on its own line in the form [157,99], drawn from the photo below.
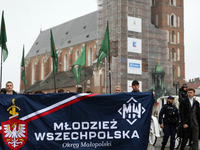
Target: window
[90,60]
[173,20]
[33,73]
[77,53]
[178,54]
[178,37]
[179,71]
[42,69]
[66,62]
[179,22]
[152,2]
[173,54]
[156,19]
[173,37]
[173,2]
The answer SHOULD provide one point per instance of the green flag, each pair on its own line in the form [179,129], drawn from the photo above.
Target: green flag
[105,46]
[3,38]
[76,68]
[23,69]
[54,56]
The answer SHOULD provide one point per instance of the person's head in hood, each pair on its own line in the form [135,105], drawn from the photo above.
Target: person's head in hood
[184,87]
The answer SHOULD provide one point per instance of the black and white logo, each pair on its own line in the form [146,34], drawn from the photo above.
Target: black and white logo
[131,111]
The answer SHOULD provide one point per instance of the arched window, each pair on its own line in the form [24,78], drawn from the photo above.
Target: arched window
[42,69]
[33,73]
[179,22]
[156,19]
[178,54]
[179,71]
[90,59]
[173,2]
[153,2]
[178,37]
[77,53]
[173,20]
[66,62]
[173,37]
[173,53]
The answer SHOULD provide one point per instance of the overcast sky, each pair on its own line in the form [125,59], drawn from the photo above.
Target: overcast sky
[24,18]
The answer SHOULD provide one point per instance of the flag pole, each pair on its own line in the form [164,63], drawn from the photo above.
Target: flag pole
[109,71]
[85,70]
[54,75]
[1,65]
[55,83]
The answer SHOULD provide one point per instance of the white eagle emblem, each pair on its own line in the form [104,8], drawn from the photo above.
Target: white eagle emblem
[15,137]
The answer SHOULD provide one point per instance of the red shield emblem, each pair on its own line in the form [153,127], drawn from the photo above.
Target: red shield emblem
[15,133]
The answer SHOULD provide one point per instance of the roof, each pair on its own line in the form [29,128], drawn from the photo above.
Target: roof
[70,33]
[63,79]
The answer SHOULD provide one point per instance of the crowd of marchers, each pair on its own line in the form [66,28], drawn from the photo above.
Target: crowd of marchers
[184,121]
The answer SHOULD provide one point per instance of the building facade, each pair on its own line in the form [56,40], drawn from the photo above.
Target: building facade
[169,15]
[138,42]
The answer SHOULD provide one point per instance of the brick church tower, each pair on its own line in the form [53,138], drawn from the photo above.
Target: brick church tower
[168,15]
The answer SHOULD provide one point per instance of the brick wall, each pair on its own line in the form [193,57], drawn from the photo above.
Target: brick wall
[162,8]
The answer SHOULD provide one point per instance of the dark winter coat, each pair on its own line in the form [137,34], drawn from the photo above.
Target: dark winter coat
[13,92]
[185,111]
[182,94]
[165,120]
[136,91]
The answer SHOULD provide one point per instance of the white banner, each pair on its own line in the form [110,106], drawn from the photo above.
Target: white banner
[129,86]
[134,66]
[134,45]
[134,24]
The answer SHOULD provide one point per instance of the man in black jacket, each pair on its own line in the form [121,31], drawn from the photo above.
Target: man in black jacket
[9,88]
[183,93]
[169,122]
[135,86]
[189,114]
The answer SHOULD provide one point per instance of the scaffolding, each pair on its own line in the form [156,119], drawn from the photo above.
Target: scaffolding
[154,43]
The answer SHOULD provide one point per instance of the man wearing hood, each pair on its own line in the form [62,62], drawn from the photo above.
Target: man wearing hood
[183,93]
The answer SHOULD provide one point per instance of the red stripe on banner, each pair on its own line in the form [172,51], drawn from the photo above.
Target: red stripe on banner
[59,107]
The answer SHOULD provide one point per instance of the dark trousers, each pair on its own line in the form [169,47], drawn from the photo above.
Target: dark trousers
[169,130]
[194,130]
